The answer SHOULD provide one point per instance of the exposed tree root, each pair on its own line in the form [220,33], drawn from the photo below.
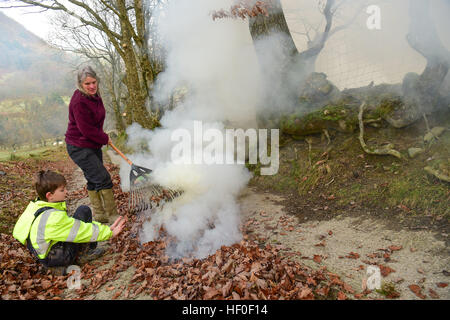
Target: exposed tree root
[437,174]
[387,150]
[327,135]
[426,122]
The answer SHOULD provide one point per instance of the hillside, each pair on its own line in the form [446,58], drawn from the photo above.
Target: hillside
[18,47]
[28,65]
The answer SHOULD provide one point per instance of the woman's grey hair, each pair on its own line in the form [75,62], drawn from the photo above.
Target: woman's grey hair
[83,73]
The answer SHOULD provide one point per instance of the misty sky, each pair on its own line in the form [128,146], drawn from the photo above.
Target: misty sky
[36,23]
[350,58]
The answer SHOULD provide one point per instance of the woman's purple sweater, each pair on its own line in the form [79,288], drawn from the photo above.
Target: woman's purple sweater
[86,117]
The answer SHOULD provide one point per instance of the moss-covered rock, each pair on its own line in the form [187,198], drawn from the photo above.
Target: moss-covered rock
[440,169]
[341,116]
[338,117]
[414,152]
[395,110]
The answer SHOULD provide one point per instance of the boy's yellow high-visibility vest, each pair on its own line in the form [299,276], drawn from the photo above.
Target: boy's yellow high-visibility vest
[54,225]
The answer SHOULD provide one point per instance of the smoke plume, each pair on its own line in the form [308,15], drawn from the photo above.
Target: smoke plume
[215,62]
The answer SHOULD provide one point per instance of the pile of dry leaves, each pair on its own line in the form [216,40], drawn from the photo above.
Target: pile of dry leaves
[244,270]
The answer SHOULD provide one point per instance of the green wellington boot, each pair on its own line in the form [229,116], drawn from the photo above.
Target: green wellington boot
[97,206]
[109,204]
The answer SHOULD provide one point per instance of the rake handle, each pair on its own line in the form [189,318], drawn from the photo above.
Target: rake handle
[120,153]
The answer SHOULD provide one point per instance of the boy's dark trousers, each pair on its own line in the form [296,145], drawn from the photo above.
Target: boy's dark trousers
[65,253]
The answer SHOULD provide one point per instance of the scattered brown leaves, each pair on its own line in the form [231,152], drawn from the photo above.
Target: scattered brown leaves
[244,270]
[317,258]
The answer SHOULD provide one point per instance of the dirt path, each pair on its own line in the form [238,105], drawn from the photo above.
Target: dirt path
[345,245]
[348,245]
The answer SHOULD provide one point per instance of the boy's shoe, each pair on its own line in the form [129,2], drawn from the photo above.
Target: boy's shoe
[90,255]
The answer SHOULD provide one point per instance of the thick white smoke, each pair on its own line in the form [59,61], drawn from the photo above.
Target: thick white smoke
[216,62]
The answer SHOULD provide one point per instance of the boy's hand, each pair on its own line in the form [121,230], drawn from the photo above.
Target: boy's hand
[118,226]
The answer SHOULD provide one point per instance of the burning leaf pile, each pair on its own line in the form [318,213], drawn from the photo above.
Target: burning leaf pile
[241,271]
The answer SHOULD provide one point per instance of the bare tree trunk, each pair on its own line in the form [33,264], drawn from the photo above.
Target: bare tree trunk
[115,94]
[137,86]
[262,26]
[308,57]
[294,66]
[274,29]
[423,38]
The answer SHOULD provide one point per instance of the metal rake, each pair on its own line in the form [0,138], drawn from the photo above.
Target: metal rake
[144,194]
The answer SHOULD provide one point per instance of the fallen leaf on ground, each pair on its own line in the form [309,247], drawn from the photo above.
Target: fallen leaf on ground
[341,296]
[211,293]
[116,295]
[385,270]
[353,255]
[433,294]
[320,244]
[305,294]
[46,284]
[398,280]
[417,290]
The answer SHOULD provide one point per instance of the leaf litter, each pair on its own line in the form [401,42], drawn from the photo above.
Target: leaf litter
[245,270]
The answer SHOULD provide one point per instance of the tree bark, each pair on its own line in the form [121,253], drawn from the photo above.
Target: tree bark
[261,26]
[274,28]
[423,38]
[293,66]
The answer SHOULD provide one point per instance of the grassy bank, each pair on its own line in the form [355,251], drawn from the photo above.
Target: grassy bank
[339,174]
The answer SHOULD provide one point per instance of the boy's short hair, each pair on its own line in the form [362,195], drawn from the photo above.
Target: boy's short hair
[47,181]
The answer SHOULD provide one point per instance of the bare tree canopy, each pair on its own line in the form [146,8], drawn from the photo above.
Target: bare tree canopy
[124,25]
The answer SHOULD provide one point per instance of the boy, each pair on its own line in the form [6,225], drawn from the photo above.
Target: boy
[54,238]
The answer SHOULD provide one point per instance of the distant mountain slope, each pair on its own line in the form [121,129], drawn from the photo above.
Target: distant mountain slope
[18,46]
[28,65]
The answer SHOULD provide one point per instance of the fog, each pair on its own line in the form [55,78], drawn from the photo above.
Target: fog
[215,61]
[355,56]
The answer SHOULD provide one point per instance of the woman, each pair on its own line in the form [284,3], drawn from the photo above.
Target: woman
[85,138]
